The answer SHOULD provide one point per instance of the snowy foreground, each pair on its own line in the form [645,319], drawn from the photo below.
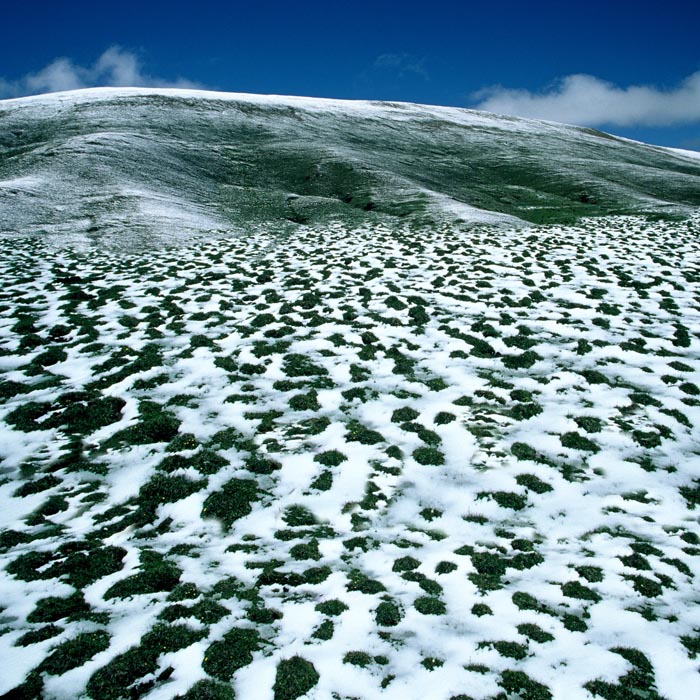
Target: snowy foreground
[353,464]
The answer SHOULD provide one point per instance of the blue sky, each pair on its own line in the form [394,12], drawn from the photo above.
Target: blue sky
[632,68]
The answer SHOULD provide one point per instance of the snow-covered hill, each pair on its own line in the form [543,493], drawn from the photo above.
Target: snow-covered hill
[337,444]
[145,166]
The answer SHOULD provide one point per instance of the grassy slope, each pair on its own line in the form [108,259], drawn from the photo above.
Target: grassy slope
[148,160]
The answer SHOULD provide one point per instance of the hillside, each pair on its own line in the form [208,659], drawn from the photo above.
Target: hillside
[332,451]
[162,164]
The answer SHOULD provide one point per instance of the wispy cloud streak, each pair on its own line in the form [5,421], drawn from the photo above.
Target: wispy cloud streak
[116,67]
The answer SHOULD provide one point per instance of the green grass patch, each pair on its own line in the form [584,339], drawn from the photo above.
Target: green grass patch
[294,677]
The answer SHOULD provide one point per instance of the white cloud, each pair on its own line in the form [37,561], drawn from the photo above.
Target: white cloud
[116,67]
[587,100]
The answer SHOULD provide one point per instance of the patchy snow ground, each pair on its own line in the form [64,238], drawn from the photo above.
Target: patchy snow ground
[354,464]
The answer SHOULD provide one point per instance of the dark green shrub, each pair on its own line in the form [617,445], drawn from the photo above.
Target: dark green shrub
[387,614]
[444,417]
[39,635]
[112,681]
[299,516]
[589,424]
[251,368]
[330,458]
[74,652]
[295,677]
[445,567]
[403,415]
[208,689]
[525,560]
[232,501]
[524,411]
[27,566]
[636,561]
[429,456]
[314,426]
[50,357]
[83,568]
[638,682]
[525,601]
[576,441]
[259,464]
[593,376]
[692,644]
[317,574]
[163,639]
[533,483]
[209,612]
[10,389]
[358,658]
[418,315]
[505,499]
[635,657]
[691,494]
[362,583]
[262,320]
[183,441]
[84,414]
[157,575]
[304,551]
[163,489]
[646,586]
[261,615]
[27,417]
[208,462]
[489,563]
[156,425]
[429,437]
[593,574]
[520,683]
[481,609]
[323,482]
[331,607]
[54,608]
[535,633]
[305,402]
[574,589]
[510,650]
[427,605]
[359,433]
[523,451]
[223,658]
[405,564]
[37,486]
[184,591]
[524,360]
[573,623]
[436,384]
[428,585]
[295,365]
[647,439]
[394,452]
[394,303]
[324,631]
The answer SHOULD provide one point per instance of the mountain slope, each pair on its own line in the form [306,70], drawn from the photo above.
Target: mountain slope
[145,165]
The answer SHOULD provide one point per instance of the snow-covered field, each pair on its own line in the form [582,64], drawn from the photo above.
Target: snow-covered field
[375,463]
